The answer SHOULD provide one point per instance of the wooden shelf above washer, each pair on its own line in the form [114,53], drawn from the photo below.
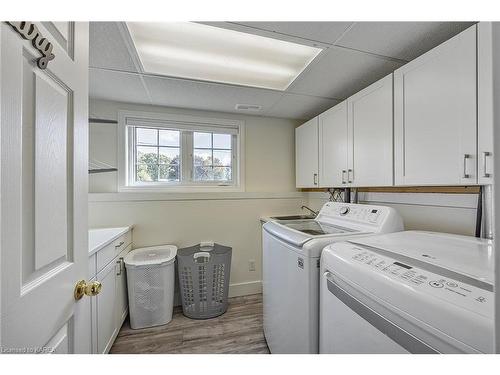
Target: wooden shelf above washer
[411,189]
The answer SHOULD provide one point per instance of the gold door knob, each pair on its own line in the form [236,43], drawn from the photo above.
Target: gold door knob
[89,289]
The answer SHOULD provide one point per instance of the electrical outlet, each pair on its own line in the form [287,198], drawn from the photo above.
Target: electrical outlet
[251,265]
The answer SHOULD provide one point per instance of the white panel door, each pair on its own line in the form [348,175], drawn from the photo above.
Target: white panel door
[43,188]
[435,115]
[333,146]
[370,117]
[306,154]
[485,102]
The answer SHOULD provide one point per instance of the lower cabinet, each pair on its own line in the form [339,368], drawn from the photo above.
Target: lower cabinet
[106,308]
[121,289]
[110,307]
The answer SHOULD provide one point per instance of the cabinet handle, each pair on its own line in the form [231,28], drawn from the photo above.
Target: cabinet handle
[485,155]
[121,243]
[119,262]
[343,176]
[466,175]
[349,179]
[315,179]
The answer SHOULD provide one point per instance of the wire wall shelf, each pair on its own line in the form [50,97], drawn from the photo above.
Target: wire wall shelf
[96,166]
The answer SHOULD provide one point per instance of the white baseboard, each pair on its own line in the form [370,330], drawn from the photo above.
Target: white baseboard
[245,289]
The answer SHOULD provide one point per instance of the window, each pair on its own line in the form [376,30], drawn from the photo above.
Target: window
[212,157]
[157,155]
[168,152]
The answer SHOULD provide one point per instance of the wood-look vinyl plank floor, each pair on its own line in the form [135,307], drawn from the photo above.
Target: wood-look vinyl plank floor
[238,331]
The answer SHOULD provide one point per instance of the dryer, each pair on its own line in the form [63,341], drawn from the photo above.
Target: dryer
[291,251]
[407,292]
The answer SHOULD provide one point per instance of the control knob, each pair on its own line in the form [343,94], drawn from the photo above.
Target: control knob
[344,210]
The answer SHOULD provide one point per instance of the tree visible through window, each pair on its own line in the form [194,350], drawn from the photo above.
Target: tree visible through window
[157,155]
[179,153]
[212,157]
[183,156]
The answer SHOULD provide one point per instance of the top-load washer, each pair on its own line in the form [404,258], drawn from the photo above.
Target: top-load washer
[407,292]
[291,251]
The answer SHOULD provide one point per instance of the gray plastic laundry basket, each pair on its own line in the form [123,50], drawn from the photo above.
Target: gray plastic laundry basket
[204,271]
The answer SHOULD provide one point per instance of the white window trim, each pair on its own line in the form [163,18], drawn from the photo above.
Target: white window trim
[187,121]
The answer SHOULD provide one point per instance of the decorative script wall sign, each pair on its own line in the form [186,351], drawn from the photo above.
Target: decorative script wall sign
[29,31]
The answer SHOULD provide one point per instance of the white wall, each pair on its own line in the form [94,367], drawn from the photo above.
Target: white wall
[232,222]
[233,218]
[451,213]
[186,219]
[269,146]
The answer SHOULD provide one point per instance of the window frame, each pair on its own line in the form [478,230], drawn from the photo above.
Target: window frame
[128,121]
[132,159]
[234,167]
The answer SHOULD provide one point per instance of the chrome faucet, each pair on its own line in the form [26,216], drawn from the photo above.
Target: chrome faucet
[315,213]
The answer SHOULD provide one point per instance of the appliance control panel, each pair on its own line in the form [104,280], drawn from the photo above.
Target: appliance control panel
[356,212]
[454,291]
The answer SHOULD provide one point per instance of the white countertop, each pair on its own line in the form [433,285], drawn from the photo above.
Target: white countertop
[101,237]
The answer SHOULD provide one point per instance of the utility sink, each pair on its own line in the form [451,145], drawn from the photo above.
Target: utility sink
[293,217]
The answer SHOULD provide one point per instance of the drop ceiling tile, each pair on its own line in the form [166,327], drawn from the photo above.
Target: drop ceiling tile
[300,107]
[325,32]
[181,93]
[117,86]
[267,33]
[340,72]
[401,40]
[108,48]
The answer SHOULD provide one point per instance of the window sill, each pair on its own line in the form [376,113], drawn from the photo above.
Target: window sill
[212,195]
[181,189]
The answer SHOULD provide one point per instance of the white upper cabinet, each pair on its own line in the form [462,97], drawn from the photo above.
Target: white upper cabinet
[306,154]
[333,146]
[485,102]
[370,136]
[435,115]
[429,123]
[356,139]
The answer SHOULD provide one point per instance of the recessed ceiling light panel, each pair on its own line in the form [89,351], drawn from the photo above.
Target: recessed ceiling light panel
[202,52]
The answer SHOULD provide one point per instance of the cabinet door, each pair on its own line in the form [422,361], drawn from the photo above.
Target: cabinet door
[93,322]
[371,135]
[333,146]
[106,308]
[485,102]
[306,154]
[435,115]
[121,288]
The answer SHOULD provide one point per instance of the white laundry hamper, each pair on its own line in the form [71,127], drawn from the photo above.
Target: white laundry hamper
[150,281]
